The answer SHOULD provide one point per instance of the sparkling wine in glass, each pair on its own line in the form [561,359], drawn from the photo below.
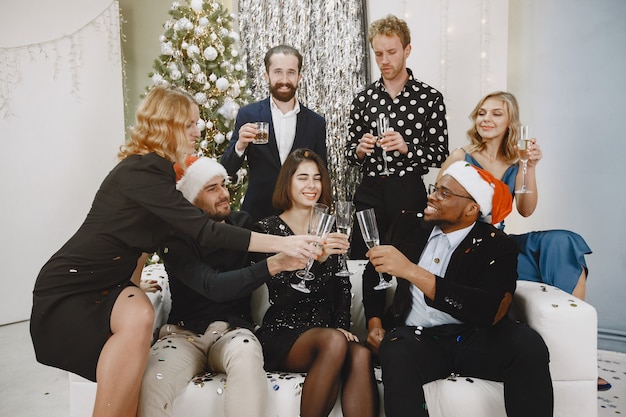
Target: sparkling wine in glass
[344,211]
[523,142]
[369,229]
[320,224]
[383,126]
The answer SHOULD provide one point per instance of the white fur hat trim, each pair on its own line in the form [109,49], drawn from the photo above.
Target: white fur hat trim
[197,175]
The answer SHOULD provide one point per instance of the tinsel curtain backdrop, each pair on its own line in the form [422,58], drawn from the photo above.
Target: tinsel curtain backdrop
[331,35]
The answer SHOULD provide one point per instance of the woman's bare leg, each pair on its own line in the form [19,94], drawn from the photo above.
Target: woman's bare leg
[123,359]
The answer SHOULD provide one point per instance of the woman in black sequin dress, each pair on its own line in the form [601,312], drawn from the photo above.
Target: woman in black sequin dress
[310,332]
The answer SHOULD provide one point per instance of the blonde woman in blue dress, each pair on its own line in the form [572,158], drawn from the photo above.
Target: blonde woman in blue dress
[554,257]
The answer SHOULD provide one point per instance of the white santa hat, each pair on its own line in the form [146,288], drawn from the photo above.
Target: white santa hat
[198,173]
[492,195]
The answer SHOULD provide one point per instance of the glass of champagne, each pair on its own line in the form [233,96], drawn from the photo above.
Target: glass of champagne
[320,207]
[320,224]
[383,127]
[369,229]
[344,211]
[523,142]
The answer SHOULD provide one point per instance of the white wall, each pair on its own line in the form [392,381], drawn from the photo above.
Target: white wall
[61,122]
[566,67]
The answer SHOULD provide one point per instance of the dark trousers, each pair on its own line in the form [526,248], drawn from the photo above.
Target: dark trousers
[389,197]
[508,352]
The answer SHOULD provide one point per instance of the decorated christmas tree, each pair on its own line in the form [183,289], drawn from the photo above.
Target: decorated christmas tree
[199,54]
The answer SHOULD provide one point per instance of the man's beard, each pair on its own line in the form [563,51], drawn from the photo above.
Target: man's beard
[283,96]
[218,215]
[442,223]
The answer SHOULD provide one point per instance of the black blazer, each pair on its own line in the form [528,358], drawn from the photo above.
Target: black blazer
[481,270]
[263,160]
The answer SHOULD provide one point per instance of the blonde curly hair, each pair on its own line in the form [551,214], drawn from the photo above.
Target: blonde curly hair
[388,26]
[160,127]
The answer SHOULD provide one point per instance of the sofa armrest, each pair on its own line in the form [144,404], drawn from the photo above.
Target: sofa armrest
[161,300]
[567,324]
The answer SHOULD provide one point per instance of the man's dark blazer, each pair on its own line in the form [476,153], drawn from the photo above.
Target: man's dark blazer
[263,160]
[481,270]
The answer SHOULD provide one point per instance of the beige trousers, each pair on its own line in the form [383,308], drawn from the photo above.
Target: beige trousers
[179,355]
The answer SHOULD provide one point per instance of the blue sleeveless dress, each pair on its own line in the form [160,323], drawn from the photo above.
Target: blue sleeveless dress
[555,257]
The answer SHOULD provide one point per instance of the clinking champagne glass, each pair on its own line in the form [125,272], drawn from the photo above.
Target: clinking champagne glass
[343,212]
[523,142]
[369,229]
[383,126]
[315,211]
[319,225]
[314,218]
[320,207]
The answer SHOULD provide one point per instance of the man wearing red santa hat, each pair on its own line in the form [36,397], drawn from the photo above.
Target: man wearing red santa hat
[210,325]
[456,279]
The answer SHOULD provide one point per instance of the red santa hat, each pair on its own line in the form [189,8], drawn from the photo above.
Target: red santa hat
[492,195]
[200,170]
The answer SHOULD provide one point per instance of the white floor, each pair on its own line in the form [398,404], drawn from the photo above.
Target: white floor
[29,389]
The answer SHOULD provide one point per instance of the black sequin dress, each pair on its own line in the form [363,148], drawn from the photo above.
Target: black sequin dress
[292,312]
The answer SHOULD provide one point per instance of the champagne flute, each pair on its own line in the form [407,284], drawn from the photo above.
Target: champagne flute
[319,225]
[316,211]
[320,207]
[369,229]
[523,142]
[344,211]
[383,126]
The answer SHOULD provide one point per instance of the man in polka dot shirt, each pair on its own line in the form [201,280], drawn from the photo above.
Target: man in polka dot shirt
[417,138]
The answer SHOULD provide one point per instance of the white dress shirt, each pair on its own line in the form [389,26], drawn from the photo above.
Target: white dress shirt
[284,128]
[435,259]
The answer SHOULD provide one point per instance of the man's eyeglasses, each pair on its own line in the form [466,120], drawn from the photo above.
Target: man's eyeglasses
[441,193]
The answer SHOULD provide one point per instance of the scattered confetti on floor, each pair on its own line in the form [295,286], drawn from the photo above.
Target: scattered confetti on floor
[612,367]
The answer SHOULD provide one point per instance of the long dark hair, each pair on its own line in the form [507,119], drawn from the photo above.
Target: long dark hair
[282,191]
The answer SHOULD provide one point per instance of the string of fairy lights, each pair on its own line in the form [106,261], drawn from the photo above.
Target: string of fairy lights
[66,52]
[448,42]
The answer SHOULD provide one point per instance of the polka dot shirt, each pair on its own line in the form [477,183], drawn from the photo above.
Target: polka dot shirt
[417,112]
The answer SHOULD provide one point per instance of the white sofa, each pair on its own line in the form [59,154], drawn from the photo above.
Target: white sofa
[567,324]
